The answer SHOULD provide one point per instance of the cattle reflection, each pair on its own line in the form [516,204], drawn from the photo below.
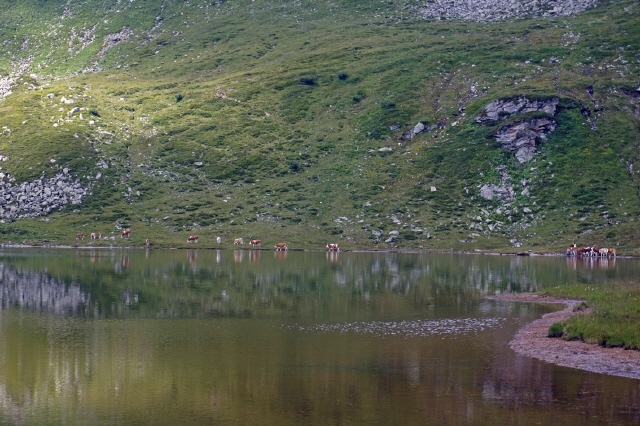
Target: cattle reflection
[238,255]
[192,257]
[218,256]
[281,254]
[332,256]
[575,262]
[254,255]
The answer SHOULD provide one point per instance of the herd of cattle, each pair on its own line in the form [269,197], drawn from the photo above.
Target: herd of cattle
[194,239]
[571,251]
[591,251]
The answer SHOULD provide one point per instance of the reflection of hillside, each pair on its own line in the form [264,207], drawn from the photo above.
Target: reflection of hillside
[40,292]
[244,284]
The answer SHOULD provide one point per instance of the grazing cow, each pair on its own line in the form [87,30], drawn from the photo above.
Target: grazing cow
[612,252]
[93,235]
[333,247]
[604,252]
[79,236]
[147,242]
[578,251]
[238,241]
[255,243]
[125,233]
[192,239]
[219,240]
[583,251]
[281,246]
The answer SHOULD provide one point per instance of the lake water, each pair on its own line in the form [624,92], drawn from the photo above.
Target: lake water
[250,337]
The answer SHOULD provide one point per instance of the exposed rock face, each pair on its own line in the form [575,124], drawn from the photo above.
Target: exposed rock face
[501,109]
[39,197]
[522,137]
[500,10]
[503,191]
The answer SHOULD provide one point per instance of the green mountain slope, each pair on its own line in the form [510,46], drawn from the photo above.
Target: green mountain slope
[361,123]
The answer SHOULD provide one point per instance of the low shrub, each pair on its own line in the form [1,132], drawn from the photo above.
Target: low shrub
[556,330]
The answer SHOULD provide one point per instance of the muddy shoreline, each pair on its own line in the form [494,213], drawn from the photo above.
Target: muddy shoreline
[532,341]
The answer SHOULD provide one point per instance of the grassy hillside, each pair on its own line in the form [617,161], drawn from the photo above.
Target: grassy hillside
[285,120]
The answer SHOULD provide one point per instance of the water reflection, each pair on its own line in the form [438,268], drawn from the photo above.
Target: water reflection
[231,336]
[99,282]
[587,262]
[34,290]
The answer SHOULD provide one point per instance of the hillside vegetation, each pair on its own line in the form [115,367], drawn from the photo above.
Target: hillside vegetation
[365,123]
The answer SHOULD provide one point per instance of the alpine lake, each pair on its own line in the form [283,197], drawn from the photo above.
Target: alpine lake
[263,337]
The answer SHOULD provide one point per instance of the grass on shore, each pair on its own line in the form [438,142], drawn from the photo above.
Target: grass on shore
[615,320]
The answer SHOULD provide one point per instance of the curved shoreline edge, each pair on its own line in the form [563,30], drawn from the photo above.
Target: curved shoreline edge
[532,340]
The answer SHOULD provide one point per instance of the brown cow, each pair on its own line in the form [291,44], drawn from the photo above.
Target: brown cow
[79,236]
[333,247]
[192,239]
[255,243]
[238,241]
[93,235]
[125,233]
[281,246]
[147,242]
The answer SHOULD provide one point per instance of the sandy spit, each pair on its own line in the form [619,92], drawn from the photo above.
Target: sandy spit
[532,341]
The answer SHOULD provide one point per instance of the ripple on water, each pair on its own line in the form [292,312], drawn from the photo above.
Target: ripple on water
[415,328]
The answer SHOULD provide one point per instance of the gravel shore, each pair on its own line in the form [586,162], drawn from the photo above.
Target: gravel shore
[532,340]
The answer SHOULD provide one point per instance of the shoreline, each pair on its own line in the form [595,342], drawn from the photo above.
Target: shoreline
[355,250]
[532,340]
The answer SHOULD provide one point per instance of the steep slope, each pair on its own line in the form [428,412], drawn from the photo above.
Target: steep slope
[376,124]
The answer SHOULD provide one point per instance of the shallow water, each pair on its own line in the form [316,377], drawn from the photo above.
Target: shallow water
[257,337]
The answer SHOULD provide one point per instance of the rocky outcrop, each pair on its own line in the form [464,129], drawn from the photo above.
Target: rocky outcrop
[111,40]
[503,191]
[521,124]
[522,137]
[39,197]
[502,109]
[500,10]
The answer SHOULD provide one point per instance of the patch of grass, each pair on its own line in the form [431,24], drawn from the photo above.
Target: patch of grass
[615,320]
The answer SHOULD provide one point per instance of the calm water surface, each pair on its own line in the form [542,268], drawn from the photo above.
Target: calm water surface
[257,337]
